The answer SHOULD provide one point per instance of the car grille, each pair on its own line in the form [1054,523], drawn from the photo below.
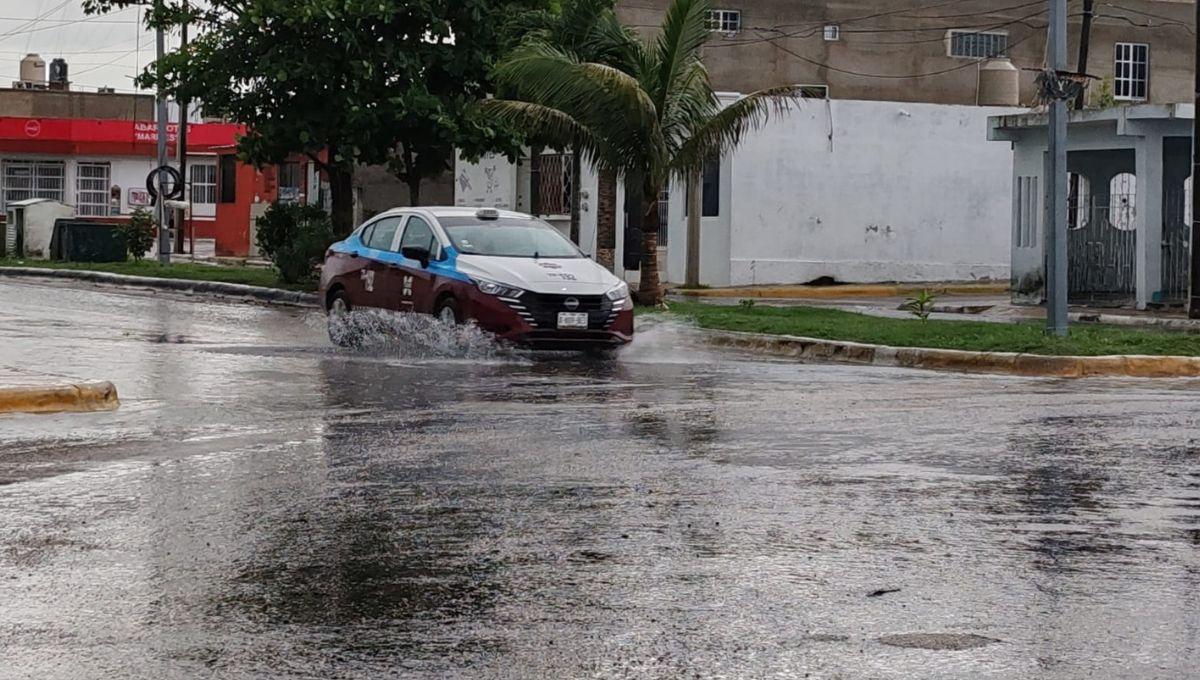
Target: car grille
[541,310]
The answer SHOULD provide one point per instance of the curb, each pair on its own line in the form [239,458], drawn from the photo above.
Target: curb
[844,291]
[261,293]
[1006,363]
[97,396]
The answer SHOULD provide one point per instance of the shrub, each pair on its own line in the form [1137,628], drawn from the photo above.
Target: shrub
[294,238]
[139,233]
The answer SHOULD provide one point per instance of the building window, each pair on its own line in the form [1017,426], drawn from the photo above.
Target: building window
[728,21]
[1131,71]
[554,184]
[203,177]
[33,179]
[289,182]
[92,189]
[228,177]
[976,45]
[833,33]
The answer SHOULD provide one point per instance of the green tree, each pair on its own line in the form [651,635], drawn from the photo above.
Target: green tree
[342,81]
[651,118]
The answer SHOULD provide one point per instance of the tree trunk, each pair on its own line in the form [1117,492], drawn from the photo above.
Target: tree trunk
[576,182]
[649,288]
[341,194]
[1085,40]
[606,220]
[414,191]
[691,276]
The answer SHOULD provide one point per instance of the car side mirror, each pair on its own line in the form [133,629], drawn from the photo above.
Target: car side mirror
[416,253]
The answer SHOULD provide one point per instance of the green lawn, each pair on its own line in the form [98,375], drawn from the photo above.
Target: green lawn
[251,276]
[832,324]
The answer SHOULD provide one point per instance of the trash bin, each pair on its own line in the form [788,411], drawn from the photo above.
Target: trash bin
[81,241]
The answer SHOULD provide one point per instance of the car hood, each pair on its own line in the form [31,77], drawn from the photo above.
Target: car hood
[577,276]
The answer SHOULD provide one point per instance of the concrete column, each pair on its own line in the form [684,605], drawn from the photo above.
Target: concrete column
[1149,219]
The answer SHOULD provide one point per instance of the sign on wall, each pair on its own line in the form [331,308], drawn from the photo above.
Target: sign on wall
[138,198]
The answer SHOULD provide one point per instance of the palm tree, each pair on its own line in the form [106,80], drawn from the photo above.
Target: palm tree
[649,117]
[588,31]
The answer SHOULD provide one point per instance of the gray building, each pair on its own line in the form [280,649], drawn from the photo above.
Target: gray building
[933,50]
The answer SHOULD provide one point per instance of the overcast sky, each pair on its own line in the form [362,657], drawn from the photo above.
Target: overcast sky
[103,50]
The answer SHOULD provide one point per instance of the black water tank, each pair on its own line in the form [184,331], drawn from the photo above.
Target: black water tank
[58,71]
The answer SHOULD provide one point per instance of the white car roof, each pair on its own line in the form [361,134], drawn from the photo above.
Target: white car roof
[455,211]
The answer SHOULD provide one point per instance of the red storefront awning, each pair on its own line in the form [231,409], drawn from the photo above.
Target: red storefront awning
[85,137]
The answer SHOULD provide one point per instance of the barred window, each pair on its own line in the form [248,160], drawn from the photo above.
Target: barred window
[32,179]
[92,181]
[724,20]
[978,45]
[203,177]
[1131,71]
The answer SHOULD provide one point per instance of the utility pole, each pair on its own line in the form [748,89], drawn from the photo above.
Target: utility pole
[164,236]
[1194,297]
[1085,42]
[181,144]
[691,272]
[1056,177]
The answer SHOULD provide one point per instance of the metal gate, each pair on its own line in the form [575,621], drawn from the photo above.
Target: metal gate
[1176,238]
[1101,249]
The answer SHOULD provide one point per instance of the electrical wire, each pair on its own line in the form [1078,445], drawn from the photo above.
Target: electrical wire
[889,76]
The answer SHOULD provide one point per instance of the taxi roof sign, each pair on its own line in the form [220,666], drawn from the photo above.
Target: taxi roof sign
[487,214]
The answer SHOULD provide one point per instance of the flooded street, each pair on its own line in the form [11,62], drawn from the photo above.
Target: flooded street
[265,506]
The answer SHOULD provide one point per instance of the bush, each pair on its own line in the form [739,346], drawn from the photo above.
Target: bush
[294,238]
[139,233]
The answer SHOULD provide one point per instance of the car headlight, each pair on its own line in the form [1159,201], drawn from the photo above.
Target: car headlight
[619,293]
[498,289]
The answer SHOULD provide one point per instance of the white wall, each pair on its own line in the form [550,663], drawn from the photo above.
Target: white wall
[860,192]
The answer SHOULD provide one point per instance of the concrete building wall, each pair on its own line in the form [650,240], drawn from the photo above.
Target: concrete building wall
[57,104]
[377,190]
[859,192]
[883,43]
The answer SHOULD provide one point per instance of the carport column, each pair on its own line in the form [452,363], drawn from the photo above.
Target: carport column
[1148,218]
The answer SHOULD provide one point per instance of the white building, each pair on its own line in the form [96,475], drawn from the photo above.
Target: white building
[853,191]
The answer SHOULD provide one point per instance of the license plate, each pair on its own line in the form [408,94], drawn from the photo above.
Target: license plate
[576,320]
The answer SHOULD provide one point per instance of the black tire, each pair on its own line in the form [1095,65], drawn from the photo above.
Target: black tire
[445,307]
[340,333]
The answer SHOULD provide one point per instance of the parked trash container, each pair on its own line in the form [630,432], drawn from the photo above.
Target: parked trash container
[81,241]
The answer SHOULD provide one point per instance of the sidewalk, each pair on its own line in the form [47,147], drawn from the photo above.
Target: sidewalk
[960,302]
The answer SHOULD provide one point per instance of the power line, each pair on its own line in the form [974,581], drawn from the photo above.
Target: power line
[887,76]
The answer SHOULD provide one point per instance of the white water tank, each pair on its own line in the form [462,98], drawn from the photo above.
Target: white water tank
[33,69]
[999,83]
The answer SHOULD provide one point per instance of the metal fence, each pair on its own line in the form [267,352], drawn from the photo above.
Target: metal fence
[1102,248]
[1176,244]
[554,184]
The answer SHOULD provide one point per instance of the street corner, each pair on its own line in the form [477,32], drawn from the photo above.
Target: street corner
[59,398]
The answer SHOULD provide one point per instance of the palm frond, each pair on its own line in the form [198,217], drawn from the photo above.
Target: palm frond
[722,132]
[684,32]
[598,96]
[546,123]
[578,20]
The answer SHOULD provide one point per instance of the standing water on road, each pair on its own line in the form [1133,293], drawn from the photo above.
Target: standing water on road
[265,506]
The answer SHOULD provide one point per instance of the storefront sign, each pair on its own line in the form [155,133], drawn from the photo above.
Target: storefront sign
[138,197]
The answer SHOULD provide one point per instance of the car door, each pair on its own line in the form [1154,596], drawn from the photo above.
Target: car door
[378,273]
[417,285]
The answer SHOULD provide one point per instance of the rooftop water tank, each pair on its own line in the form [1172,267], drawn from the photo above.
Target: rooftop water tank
[33,69]
[999,83]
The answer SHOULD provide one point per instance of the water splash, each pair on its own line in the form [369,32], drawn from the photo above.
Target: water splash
[663,339]
[412,336]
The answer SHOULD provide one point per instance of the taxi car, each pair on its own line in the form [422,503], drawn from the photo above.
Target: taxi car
[512,274]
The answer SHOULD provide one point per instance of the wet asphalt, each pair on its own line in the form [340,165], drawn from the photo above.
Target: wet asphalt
[264,506]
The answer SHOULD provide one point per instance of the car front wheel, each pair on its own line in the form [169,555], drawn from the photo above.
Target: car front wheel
[448,312]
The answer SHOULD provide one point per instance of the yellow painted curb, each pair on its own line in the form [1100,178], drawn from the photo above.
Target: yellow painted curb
[96,396]
[1008,363]
[847,291]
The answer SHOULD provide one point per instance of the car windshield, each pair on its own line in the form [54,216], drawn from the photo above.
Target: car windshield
[507,237]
